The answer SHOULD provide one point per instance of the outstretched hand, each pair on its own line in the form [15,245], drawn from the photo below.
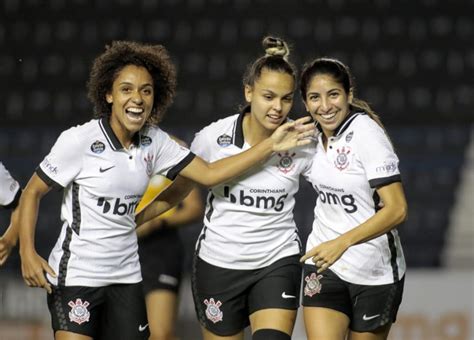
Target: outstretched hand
[293,134]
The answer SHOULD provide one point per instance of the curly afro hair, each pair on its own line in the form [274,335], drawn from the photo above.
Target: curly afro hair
[119,54]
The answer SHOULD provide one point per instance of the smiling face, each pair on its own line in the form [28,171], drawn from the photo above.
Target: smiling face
[270,99]
[132,101]
[327,102]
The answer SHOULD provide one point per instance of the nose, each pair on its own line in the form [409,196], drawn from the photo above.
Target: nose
[324,104]
[277,105]
[137,97]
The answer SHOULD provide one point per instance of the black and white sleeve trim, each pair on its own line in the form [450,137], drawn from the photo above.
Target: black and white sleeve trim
[180,166]
[380,182]
[50,182]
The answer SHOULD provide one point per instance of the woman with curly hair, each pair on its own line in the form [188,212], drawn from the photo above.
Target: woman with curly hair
[93,274]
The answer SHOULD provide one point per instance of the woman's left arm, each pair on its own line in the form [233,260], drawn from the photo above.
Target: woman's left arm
[393,212]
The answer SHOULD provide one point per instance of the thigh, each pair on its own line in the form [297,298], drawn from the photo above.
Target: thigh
[277,286]
[375,306]
[326,290]
[220,298]
[62,335]
[125,317]
[380,333]
[323,323]
[76,310]
[162,308]
[273,318]
[207,335]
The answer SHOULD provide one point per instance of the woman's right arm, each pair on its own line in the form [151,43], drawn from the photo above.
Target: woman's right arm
[170,197]
[33,266]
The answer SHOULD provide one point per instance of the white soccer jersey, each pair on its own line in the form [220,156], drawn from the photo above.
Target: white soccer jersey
[10,189]
[249,220]
[103,182]
[359,158]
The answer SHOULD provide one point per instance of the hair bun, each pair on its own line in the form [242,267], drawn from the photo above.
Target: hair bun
[275,47]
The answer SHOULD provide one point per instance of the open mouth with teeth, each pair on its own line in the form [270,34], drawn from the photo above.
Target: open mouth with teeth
[135,113]
[328,117]
[276,119]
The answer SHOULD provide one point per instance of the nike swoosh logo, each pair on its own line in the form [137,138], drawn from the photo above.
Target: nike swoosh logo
[104,170]
[286,296]
[367,318]
[142,328]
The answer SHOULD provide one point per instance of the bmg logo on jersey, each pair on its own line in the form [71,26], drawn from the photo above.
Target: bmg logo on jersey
[264,202]
[119,208]
[348,201]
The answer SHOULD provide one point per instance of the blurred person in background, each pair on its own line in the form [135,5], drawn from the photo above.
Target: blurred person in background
[161,256]
[246,267]
[354,265]
[93,276]
[10,193]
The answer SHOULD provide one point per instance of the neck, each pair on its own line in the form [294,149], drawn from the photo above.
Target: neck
[254,132]
[123,135]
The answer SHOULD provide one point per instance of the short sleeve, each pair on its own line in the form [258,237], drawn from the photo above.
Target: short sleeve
[308,154]
[172,157]
[377,155]
[64,161]
[10,189]
[200,145]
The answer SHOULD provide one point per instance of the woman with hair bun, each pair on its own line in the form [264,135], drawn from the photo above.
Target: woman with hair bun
[93,274]
[246,269]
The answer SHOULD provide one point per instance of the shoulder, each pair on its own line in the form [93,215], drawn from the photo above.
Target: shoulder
[363,122]
[219,126]
[80,133]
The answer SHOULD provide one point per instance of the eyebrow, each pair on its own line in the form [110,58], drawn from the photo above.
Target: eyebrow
[285,95]
[329,91]
[129,83]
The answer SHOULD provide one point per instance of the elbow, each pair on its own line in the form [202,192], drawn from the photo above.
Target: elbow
[401,214]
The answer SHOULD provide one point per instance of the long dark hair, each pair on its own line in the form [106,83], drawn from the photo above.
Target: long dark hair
[341,74]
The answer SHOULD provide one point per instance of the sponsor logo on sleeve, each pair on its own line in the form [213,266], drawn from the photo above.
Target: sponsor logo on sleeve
[224,140]
[97,147]
[50,167]
[387,167]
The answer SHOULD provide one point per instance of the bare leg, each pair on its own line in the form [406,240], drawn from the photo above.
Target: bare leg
[162,309]
[325,324]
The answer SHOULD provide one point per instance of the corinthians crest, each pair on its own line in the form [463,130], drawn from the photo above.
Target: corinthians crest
[213,311]
[286,163]
[313,286]
[149,164]
[342,158]
[79,313]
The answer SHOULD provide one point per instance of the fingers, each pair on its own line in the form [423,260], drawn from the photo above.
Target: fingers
[303,120]
[323,268]
[48,269]
[34,274]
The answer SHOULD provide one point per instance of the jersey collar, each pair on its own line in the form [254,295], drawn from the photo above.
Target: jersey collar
[112,138]
[238,133]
